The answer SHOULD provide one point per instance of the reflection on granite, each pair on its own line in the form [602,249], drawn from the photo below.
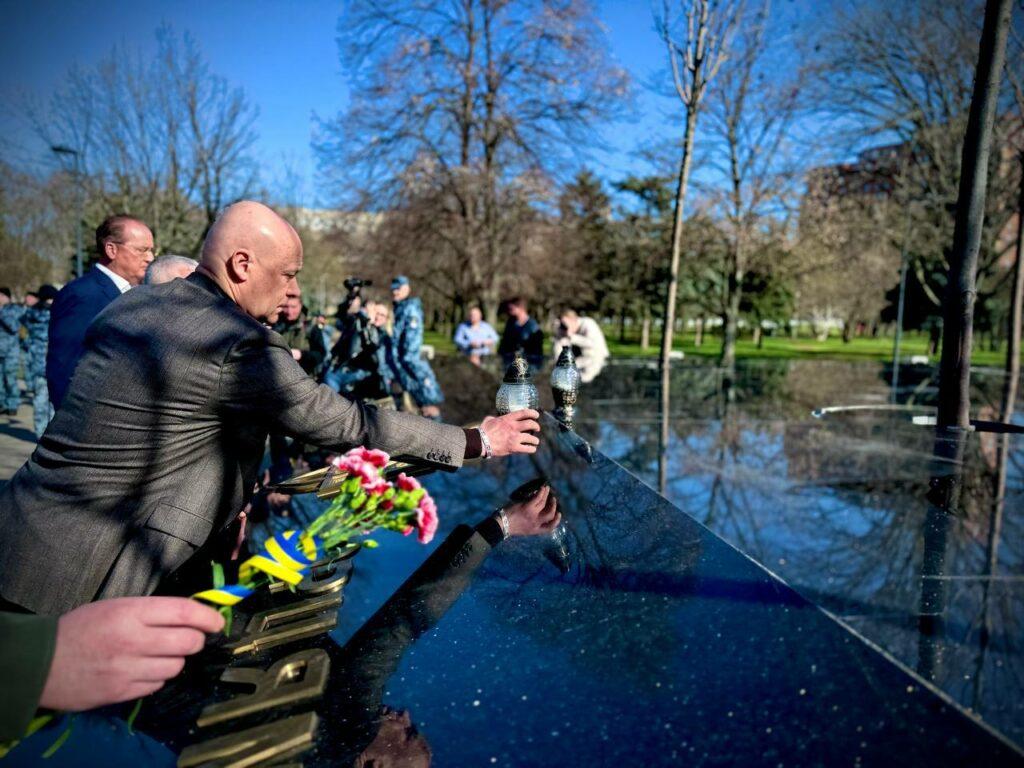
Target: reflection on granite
[839,508]
[642,638]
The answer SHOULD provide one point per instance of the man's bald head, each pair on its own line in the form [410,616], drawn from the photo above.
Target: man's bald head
[254,255]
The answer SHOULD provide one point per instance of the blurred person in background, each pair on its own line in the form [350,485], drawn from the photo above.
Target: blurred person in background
[475,337]
[522,334]
[587,340]
[292,326]
[31,299]
[359,361]
[319,337]
[10,351]
[36,321]
[413,373]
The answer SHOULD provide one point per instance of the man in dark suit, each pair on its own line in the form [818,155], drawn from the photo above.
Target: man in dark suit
[125,246]
[158,442]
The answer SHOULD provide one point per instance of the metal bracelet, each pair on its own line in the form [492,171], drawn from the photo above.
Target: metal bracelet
[485,444]
[503,520]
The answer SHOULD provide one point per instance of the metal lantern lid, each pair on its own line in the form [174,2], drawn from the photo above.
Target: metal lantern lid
[566,359]
[518,372]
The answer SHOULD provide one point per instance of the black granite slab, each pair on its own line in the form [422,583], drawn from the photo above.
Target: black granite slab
[838,504]
[640,638]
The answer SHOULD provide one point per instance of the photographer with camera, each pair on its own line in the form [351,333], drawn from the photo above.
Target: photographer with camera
[358,366]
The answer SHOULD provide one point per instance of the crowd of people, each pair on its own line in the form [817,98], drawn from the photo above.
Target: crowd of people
[167,382]
[157,385]
[477,339]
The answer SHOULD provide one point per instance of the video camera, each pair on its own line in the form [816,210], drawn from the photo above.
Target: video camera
[355,284]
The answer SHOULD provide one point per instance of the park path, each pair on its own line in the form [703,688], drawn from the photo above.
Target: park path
[17,441]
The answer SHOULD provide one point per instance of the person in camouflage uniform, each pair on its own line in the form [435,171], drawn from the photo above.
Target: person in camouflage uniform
[31,299]
[412,371]
[37,323]
[10,351]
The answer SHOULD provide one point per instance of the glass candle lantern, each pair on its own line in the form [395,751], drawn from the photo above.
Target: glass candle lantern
[565,385]
[516,391]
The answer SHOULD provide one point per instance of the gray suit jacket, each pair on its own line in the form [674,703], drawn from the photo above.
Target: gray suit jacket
[159,441]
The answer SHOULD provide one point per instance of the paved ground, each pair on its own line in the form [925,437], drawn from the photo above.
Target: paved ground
[16,441]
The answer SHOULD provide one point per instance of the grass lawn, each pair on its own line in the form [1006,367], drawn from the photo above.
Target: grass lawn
[832,348]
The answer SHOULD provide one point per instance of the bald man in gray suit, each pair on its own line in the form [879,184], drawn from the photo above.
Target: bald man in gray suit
[158,442]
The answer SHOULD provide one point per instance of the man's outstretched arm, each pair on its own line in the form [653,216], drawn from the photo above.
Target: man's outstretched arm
[261,382]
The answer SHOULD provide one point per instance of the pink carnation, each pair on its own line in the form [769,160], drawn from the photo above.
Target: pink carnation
[387,505]
[377,458]
[406,483]
[426,519]
[408,529]
[376,486]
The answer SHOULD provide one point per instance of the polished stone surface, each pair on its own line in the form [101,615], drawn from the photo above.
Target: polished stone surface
[837,503]
[642,638]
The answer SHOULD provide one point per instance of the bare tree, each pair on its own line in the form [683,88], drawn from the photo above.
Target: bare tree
[900,75]
[842,260]
[457,107]
[163,138]
[955,368]
[751,114]
[694,60]
[35,228]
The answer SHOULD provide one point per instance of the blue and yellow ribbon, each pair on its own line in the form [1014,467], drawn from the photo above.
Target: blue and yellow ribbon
[285,557]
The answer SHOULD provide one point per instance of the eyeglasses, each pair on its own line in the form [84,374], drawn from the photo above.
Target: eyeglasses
[141,250]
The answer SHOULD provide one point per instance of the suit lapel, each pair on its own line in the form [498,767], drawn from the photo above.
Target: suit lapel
[107,287]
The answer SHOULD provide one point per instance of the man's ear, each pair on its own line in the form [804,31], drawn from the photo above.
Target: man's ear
[110,250]
[240,266]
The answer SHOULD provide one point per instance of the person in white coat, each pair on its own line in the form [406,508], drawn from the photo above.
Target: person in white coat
[585,336]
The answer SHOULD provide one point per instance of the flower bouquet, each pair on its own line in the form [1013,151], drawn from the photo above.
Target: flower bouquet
[365,501]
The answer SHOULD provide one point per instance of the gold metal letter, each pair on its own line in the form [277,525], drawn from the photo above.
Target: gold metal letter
[293,679]
[276,741]
[287,623]
[323,576]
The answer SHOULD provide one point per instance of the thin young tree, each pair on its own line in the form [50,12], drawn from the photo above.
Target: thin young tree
[961,291]
[751,113]
[694,59]
[1014,67]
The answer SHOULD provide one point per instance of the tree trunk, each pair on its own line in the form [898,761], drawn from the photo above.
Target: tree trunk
[673,279]
[645,329]
[489,304]
[698,336]
[730,321]
[958,309]
[758,334]
[848,326]
[1014,320]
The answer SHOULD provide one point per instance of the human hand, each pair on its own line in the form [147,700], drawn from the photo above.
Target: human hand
[511,433]
[123,649]
[296,354]
[538,514]
[278,501]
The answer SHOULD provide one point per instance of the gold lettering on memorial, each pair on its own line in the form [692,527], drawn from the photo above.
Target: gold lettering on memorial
[276,742]
[288,623]
[322,577]
[299,677]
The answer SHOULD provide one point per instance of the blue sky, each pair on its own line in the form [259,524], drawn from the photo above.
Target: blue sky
[282,53]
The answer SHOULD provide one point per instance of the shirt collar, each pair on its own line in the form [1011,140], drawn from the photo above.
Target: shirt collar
[122,284]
